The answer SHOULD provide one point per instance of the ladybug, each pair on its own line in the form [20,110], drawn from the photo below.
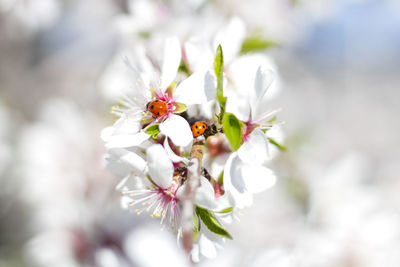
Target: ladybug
[198,128]
[157,107]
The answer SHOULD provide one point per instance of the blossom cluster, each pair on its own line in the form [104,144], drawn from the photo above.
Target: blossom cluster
[211,94]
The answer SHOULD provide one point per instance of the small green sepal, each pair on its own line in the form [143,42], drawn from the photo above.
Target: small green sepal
[227,210]
[153,130]
[278,145]
[212,223]
[179,107]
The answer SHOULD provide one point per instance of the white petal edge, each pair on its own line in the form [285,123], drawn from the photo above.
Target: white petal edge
[205,196]
[257,178]
[199,54]
[192,90]
[207,247]
[135,162]
[239,107]
[178,129]
[231,38]
[126,140]
[161,169]
[262,82]
[171,62]
[195,253]
[255,149]
[171,154]
[234,184]
[129,182]
[106,133]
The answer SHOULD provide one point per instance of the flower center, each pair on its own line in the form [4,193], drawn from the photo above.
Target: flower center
[162,107]
[248,129]
[169,194]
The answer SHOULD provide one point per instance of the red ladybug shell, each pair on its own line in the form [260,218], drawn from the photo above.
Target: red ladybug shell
[158,108]
[198,128]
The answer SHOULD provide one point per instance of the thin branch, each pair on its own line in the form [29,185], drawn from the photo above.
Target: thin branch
[192,183]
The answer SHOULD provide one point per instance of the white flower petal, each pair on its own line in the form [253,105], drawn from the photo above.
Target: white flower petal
[193,89]
[262,82]
[199,54]
[234,184]
[113,164]
[129,182]
[181,191]
[161,169]
[255,149]
[239,106]
[118,77]
[195,253]
[207,247]
[242,71]
[130,159]
[178,129]
[171,154]
[129,124]
[106,133]
[205,196]
[126,140]
[142,69]
[257,178]
[171,62]
[210,85]
[231,38]
[125,202]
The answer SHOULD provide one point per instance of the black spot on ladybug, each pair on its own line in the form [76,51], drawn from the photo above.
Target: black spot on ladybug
[152,107]
[158,113]
[197,126]
[198,132]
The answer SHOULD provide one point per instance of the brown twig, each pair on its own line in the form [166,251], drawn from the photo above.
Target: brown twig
[192,183]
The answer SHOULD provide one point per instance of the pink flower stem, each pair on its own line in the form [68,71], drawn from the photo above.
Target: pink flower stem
[192,183]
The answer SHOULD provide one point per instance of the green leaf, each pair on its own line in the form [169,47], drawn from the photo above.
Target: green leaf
[211,222]
[180,107]
[232,127]
[278,145]
[153,130]
[227,210]
[219,73]
[256,43]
